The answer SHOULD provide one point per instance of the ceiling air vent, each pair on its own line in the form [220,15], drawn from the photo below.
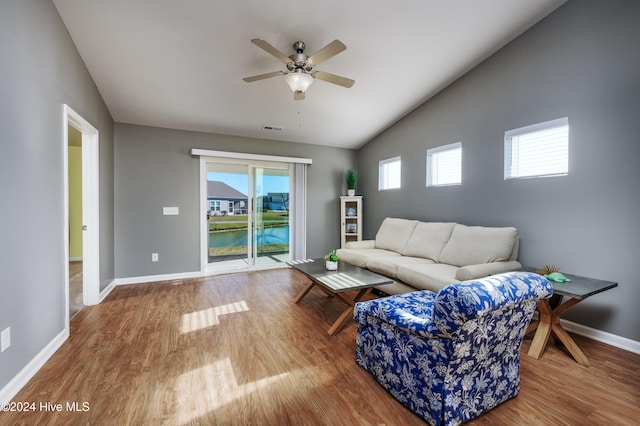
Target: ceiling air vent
[272,128]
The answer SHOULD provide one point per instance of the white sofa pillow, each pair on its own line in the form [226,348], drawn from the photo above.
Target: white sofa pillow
[472,245]
[428,239]
[394,234]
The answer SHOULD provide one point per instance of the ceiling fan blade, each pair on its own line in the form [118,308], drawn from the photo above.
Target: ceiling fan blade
[330,50]
[263,76]
[335,79]
[271,50]
[298,95]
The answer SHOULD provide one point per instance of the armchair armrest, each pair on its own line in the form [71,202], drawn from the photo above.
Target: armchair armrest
[364,244]
[411,312]
[473,272]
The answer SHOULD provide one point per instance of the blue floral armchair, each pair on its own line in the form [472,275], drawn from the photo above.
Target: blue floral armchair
[454,355]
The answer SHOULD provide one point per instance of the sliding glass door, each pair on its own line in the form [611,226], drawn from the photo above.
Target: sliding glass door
[227,205]
[271,237]
[248,214]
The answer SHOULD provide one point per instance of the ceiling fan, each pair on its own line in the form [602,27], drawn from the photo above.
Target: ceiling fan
[301,68]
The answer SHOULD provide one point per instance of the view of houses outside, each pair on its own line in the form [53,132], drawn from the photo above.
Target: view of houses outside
[228,222]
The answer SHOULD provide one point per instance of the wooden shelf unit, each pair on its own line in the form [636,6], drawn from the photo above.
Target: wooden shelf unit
[351,225]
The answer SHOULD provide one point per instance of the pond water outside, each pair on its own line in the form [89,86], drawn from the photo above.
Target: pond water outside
[269,239]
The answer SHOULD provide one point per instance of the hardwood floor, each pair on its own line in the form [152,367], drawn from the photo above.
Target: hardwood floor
[235,350]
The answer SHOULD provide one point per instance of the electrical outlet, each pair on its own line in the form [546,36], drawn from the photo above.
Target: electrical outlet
[154,257]
[6,339]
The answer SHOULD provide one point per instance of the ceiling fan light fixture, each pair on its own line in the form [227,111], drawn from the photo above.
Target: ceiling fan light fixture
[298,81]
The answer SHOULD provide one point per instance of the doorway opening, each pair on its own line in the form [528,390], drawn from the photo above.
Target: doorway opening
[81,206]
[74,156]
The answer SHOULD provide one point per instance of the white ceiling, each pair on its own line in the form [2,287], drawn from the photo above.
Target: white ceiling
[179,63]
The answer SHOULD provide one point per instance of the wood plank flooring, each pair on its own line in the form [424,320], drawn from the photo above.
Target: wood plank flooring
[235,350]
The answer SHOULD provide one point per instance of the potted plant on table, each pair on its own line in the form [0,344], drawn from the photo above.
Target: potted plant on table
[351,178]
[331,261]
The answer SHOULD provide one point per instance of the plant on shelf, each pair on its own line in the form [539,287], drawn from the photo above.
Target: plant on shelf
[331,261]
[351,178]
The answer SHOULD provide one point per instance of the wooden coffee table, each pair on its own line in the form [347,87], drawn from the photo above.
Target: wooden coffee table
[336,283]
[565,296]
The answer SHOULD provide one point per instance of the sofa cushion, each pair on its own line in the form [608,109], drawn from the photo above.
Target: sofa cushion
[428,277]
[388,265]
[359,257]
[363,244]
[470,245]
[394,234]
[428,239]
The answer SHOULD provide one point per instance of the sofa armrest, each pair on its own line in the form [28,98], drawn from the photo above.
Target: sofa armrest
[473,272]
[365,244]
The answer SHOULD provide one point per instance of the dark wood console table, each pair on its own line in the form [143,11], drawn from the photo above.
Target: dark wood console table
[550,310]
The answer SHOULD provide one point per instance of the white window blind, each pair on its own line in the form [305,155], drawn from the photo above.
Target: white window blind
[389,173]
[444,165]
[538,150]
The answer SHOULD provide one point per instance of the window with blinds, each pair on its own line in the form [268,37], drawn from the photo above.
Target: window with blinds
[444,165]
[539,150]
[389,173]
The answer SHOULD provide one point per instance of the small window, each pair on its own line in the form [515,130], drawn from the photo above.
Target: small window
[389,173]
[444,165]
[538,150]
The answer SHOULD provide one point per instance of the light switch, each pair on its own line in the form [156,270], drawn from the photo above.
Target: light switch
[170,211]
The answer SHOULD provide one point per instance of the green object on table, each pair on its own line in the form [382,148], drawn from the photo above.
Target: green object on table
[557,277]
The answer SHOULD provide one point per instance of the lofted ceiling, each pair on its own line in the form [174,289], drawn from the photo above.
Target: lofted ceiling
[179,63]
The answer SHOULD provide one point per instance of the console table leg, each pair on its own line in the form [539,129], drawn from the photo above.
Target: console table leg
[533,326]
[548,324]
[543,330]
[540,340]
[570,344]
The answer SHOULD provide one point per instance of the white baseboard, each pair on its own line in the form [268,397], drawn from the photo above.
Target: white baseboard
[104,293]
[75,259]
[13,387]
[156,278]
[602,336]
[187,275]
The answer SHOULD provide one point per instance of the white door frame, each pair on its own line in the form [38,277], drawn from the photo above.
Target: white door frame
[90,208]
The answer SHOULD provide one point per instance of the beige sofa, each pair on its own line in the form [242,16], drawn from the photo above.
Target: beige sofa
[431,255]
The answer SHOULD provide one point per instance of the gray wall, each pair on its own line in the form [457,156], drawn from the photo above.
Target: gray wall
[154,169]
[581,62]
[40,70]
